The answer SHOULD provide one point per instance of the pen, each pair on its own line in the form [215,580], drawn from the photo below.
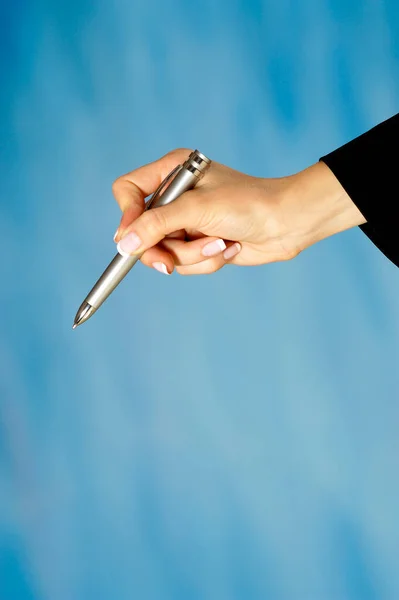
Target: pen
[183,178]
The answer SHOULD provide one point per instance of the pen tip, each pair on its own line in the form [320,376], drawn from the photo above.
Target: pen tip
[85,311]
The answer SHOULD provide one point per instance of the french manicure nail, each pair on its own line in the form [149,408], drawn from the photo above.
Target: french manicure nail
[116,233]
[161,267]
[130,243]
[213,248]
[232,251]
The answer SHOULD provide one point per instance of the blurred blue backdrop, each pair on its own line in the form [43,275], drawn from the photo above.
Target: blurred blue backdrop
[225,437]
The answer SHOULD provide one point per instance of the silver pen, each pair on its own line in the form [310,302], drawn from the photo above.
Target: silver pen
[183,178]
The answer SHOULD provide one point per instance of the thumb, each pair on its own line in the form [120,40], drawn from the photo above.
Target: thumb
[154,224]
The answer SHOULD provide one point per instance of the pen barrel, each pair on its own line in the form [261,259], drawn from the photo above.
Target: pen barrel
[117,269]
[183,181]
[185,178]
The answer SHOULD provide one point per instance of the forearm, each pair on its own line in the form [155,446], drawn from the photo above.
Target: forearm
[355,184]
[317,206]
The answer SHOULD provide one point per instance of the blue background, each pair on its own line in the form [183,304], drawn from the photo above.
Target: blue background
[233,436]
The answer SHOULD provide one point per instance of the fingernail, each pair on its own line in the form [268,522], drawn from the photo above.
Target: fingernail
[213,248]
[130,243]
[159,266]
[232,251]
[116,233]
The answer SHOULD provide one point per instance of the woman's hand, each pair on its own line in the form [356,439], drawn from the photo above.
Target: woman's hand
[229,217]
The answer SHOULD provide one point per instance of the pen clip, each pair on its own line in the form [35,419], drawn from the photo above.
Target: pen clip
[158,191]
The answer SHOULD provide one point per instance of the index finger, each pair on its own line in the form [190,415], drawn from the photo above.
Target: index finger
[131,189]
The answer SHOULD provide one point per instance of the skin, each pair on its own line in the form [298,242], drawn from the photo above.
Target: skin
[263,220]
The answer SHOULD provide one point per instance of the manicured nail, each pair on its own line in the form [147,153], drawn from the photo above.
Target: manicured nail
[213,248]
[116,233]
[232,251]
[159,266]
[130,243]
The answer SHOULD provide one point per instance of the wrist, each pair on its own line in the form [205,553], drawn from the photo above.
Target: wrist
[319,206]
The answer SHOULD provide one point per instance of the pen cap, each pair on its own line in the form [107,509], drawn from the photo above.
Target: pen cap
[197,163]
[183,178]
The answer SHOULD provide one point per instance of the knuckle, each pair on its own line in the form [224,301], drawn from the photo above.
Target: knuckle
[186,270]
[291,254]
[177,155]
[180,151]
[207,267]
[116,186]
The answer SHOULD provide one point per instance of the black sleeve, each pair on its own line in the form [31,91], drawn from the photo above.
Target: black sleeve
[368,169]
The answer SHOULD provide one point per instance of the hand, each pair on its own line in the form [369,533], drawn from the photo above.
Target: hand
[229,217]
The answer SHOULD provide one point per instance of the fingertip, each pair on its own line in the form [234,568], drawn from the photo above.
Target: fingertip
[121,251]
[158,259]
[232,251]
[161,267]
